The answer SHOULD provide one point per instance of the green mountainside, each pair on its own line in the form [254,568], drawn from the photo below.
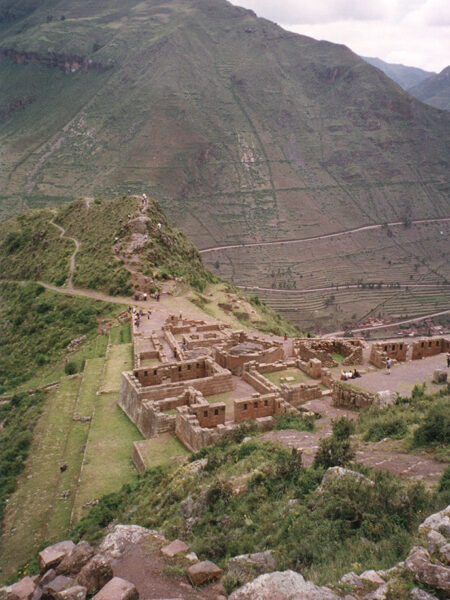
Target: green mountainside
[435,90]
[243,131]
[404,75]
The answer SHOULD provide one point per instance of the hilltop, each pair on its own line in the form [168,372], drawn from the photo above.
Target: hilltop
[404,75]
[243,131]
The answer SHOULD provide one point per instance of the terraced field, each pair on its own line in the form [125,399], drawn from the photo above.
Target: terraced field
[390,271]
[48,500]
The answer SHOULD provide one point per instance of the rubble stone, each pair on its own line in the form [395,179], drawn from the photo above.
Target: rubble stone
[77,592]
[176,547]
[53,555]
[95,574]
[73,563]
[424,571]
[204,571]
[282,585]
[117,589]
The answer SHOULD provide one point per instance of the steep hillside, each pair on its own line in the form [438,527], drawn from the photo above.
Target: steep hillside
[405,76]
[243,131]
[435,90]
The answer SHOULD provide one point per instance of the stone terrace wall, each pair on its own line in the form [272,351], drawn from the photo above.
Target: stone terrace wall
[177,371]
[380,351]
[346,396]
[429,347]
[194,437]
[259,382]
[209,415]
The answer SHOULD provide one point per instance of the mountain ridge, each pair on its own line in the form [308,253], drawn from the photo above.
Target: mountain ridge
[243,131]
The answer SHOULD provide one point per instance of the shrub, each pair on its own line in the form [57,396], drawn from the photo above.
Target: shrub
[70,368]
[436,425]
[343,428]
[444,482]
[294,422]
[386,425]
[333,452]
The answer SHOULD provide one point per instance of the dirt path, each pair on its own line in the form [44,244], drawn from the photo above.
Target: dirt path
[321,237]
[73,257]
[379,456]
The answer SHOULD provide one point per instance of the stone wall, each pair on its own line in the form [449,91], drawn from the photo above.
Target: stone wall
[347,396]
[209,415]
[177,371]
[137,458]
[299,393]
[380,351]
[243,348]
[429,347]
[259,382]
[256,406]
[322,349]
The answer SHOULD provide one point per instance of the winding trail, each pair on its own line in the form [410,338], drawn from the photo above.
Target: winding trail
[73,257]
[321,237]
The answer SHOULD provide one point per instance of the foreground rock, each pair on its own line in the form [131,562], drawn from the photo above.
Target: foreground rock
[53,555]
[95,574]
[203,572]
[117,589]
[73,562]
[282,585]
[427,572]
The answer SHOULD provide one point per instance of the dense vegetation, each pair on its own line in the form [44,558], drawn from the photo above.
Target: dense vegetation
[281,508]
[423,421]
[18,418]
[37,325]
[31,248]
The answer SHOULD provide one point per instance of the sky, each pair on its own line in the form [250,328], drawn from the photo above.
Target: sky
[411,32]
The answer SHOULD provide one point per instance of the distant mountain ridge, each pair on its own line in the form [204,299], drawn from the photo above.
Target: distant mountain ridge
[405,76]
[435,90]
[243,132]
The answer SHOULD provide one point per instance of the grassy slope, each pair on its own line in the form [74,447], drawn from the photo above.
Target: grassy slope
[39,511]
[259,517]
[37,326]
[341,145]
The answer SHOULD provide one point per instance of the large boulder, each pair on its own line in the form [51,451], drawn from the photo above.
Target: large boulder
[245,567]
[121,536]
[385,398]
[439,375]
[22,590]
[73,562]
[439,521]
[56,585]
[282,585]
[76,592]
[174,548]
[95,574]
[203,572]
[339,472]
[53,555]
[117,589]
[426,572]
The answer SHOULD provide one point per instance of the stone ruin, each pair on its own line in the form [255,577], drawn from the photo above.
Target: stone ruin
[400,351]
[323,350]
[242,348]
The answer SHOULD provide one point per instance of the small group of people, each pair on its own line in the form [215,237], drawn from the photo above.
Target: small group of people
[345,375]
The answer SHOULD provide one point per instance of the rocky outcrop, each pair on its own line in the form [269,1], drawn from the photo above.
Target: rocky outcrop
[73,562]
[282,585]
[95,574]
[117,589]
[426,571]
[66,62]
[53,555]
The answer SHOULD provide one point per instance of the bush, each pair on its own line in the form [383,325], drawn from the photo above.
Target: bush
[333,452]
[343,428]
[294,422]
[435,427]
[444,482]
[70,368]
[386,425]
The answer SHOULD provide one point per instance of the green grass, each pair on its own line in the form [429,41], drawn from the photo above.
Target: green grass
[260,517]
[298,375]
[119,359]
[110,442]
[120,335]
[37,326]
[163,449]
[35,503]
[338,357]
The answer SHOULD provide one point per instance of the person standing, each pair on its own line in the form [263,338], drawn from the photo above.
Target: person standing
[388,366]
